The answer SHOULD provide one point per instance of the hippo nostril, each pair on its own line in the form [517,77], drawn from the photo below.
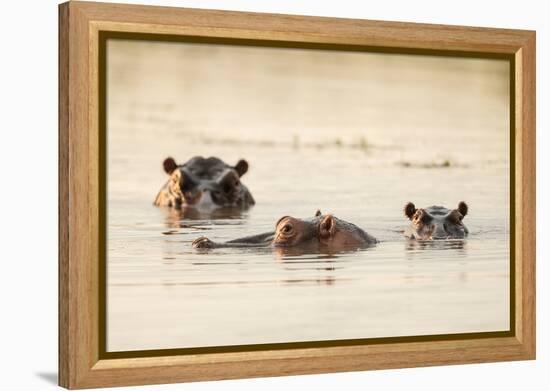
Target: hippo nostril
[227,189]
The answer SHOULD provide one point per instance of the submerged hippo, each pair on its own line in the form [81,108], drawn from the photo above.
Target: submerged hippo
[321,231]
[436,222]
[201,181]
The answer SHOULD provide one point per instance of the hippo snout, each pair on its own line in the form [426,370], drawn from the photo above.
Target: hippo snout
[439,233]
[203,243]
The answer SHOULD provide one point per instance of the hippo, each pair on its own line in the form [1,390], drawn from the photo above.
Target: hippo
[436,222]
[202,181]
[319,232]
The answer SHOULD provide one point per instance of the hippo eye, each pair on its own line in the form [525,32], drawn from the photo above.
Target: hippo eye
[422,217]
[286,229]
[454,219]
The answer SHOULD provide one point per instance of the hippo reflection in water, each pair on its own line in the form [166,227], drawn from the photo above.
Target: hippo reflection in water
[319,232]
[436,222]
[202,181]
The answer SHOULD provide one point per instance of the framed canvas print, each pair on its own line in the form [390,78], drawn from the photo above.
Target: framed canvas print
[247,195]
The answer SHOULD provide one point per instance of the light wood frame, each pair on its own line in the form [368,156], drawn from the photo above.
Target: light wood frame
[80,164]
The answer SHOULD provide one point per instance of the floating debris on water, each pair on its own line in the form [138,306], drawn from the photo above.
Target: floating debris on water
[363,144]
[446,163]
[295,143]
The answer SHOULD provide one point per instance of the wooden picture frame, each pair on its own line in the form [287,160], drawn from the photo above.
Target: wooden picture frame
[82,26]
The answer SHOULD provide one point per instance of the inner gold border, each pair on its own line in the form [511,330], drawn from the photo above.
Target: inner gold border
[102,270]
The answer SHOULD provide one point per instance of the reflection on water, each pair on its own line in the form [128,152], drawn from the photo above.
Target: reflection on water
[183,217]
[352,134]
[415,246]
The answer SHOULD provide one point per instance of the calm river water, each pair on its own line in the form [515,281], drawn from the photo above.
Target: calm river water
[356,135]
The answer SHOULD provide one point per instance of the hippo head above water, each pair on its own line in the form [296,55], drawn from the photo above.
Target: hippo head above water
[436,222]
[321,231]
[202,181]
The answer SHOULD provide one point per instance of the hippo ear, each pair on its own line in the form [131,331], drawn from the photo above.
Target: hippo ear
[241,167]
[327,228]
[409,210]
[463,209]
[318,213]
[169,165]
